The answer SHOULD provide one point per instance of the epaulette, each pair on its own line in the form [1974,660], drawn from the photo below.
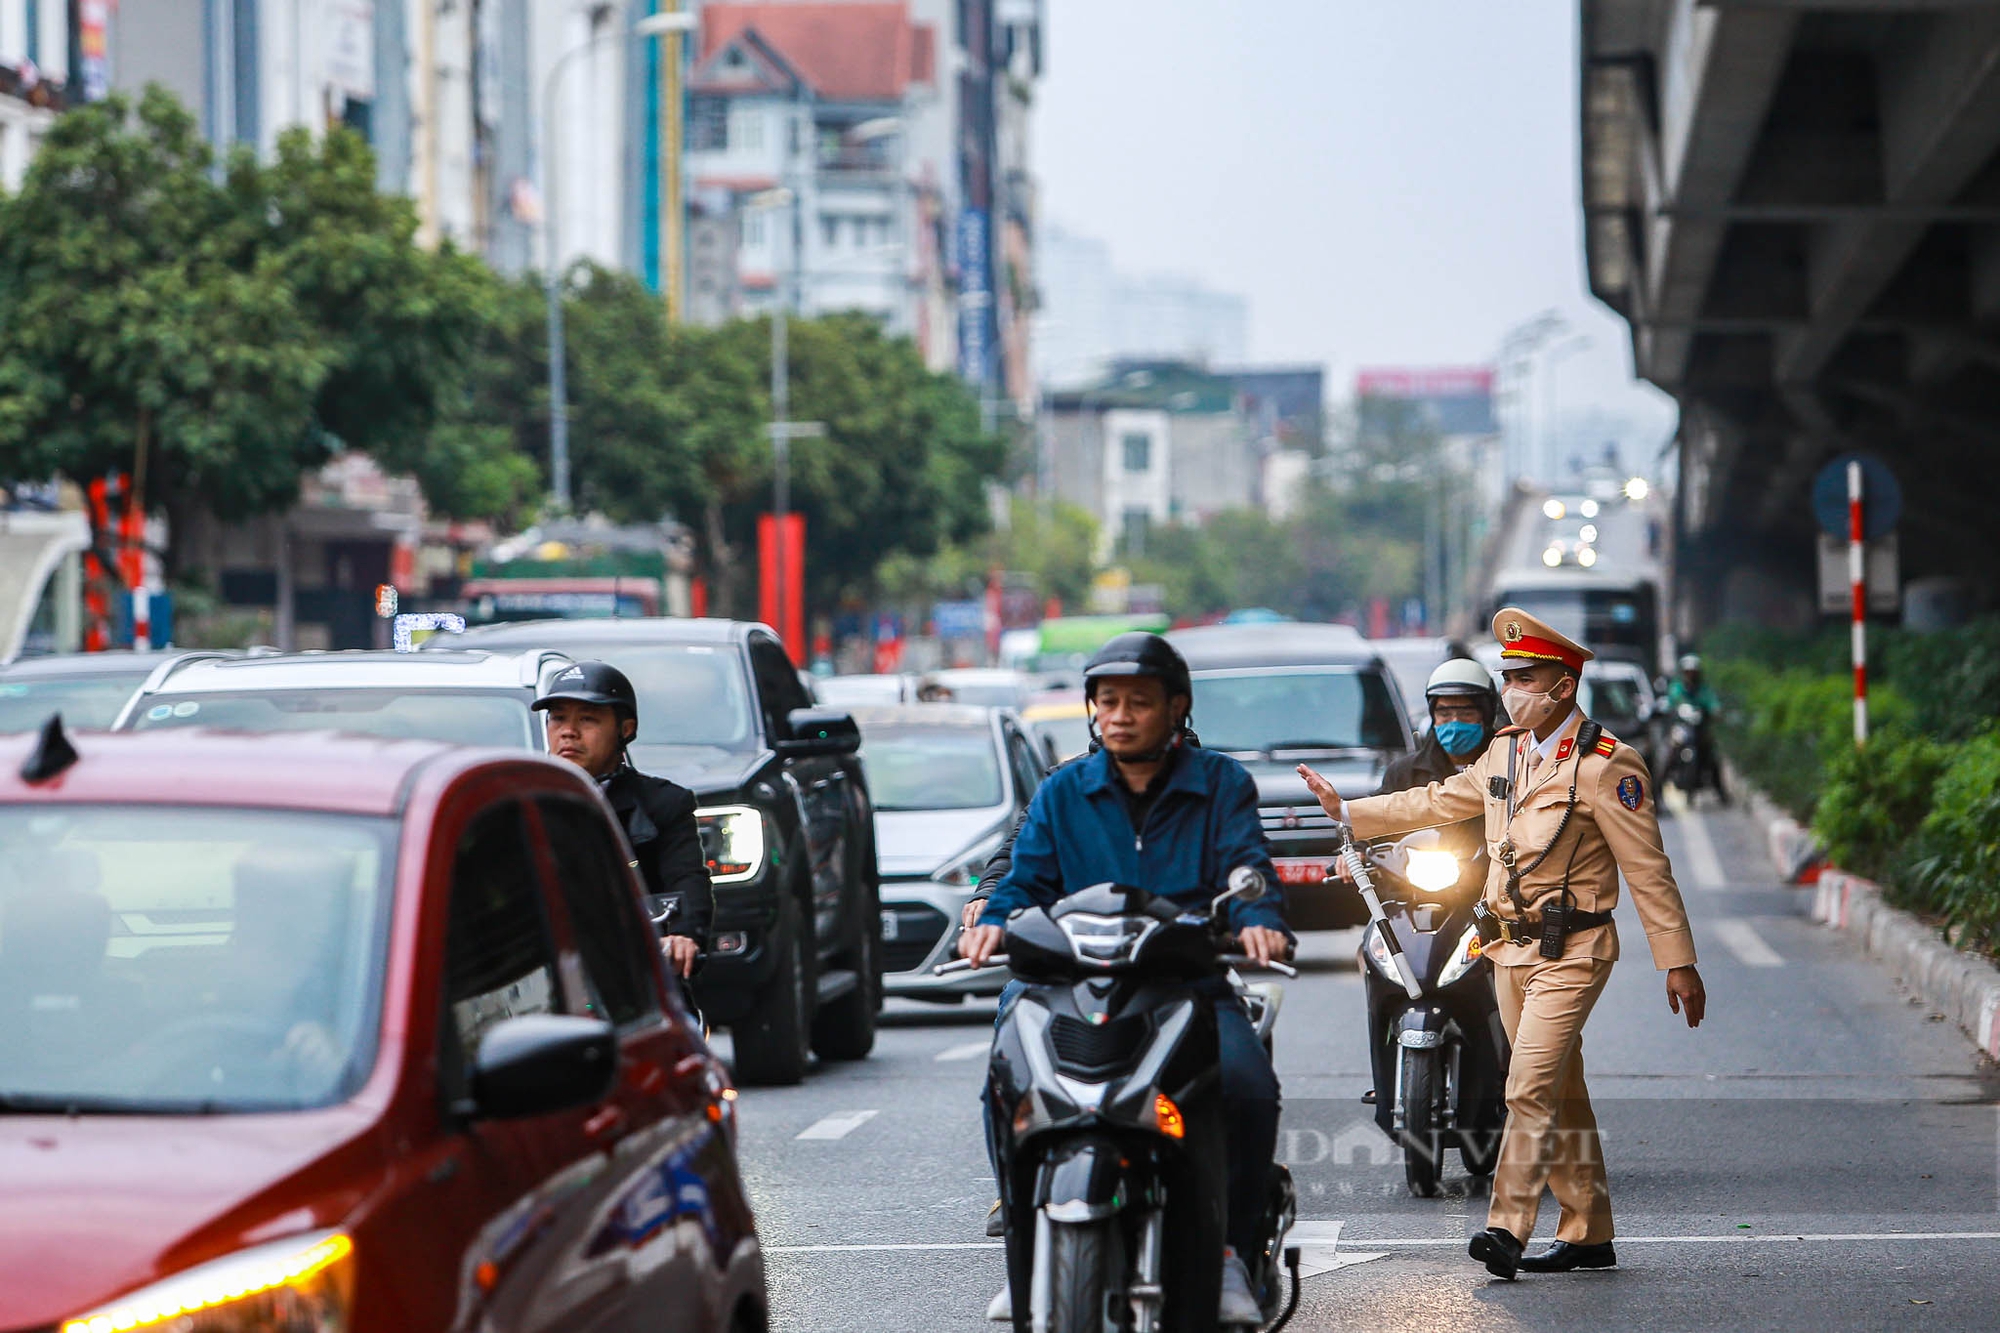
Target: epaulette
[1606,744]
[1511,731]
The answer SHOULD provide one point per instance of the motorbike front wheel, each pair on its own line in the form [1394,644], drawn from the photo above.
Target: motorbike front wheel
[1423,1143]
[1087,1267]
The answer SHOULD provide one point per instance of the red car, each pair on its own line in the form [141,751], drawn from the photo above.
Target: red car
[327,1033]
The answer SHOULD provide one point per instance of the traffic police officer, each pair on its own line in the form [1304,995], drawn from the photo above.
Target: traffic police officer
[1567,808]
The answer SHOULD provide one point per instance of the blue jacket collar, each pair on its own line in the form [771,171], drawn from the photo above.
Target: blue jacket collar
[1185,773]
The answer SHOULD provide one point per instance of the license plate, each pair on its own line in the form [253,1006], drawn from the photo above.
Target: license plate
[1302,869]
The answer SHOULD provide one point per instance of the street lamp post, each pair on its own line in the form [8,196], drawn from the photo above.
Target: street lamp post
[552,278]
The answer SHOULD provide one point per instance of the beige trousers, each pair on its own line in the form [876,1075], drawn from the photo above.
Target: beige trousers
[1551,1138]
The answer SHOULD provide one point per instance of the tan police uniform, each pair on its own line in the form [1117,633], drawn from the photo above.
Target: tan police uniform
[1551,1137]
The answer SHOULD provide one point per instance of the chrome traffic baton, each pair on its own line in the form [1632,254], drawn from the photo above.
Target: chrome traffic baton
[1357,870]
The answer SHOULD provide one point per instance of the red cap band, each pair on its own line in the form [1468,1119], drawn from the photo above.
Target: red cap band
[1543,650]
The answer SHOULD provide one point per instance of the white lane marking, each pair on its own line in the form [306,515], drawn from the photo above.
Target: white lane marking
[1319,1249]
[968,1051]
[1409,1242]
[838,1126]
[1704,866]
[1748,946]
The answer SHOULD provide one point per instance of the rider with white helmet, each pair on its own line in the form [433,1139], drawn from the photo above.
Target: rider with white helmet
[1465,712]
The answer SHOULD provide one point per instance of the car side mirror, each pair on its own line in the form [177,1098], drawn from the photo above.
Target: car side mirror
[537,1064]
[819,731]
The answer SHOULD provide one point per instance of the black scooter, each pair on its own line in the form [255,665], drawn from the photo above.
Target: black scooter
[1106,1106]
[1436,1045]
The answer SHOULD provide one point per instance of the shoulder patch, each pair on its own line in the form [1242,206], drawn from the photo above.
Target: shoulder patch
[1631,793]
[1606,744]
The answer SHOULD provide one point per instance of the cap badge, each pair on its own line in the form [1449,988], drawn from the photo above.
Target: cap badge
[1511,631]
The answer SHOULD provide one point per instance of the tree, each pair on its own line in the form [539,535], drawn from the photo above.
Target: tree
[218,338]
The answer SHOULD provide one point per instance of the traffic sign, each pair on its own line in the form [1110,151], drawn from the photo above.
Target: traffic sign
[1881,502]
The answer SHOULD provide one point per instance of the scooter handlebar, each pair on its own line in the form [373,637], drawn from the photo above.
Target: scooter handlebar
[965,965]
[1245,960]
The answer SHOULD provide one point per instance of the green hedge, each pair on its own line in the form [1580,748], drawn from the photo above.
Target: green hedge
[1918,808]
[1955,875]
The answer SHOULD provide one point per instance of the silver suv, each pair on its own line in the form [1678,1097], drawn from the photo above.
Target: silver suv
[460,697]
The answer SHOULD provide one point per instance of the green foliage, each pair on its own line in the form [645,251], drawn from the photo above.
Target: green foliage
[1056,548]
[1956,874]
[1874,799]
[218,336]
[1783,728]
[1952,677]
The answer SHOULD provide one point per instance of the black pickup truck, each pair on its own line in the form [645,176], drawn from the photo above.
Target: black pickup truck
[794,964]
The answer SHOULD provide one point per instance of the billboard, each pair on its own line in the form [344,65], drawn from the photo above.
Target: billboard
[1454,400]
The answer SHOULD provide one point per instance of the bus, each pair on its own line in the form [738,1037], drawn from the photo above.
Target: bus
[1615,615]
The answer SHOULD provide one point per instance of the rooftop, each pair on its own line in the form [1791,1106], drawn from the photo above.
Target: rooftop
[840,52]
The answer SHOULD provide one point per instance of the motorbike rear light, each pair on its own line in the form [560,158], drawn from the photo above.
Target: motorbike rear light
[1168,1117]
[1024,1114]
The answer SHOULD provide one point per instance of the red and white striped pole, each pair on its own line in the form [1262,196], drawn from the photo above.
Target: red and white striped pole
[1857,575]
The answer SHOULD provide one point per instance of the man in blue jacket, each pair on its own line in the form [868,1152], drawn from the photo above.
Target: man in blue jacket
[1155,810]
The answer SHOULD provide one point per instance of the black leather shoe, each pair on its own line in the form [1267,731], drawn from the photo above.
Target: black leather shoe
[1498,1250]
[1562,1257]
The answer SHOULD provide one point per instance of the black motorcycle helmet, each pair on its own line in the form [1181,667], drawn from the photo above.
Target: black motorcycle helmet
[1141,654]
[592,683]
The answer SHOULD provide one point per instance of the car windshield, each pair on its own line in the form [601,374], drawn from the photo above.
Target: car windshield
[188,960]
[1612,697]
[458,717]
[1304,708]
[1071,735]
[931,768]
[691,695]
[89,703]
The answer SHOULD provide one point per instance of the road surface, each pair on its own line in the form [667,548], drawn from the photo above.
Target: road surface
[1822,1153]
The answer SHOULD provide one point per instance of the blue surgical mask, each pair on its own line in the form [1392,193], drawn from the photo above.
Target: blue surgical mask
[1459,737]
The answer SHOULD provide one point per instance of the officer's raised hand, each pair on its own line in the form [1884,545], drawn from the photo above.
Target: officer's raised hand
[1323,792]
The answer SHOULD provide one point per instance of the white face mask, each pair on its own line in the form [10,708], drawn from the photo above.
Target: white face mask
[1531,708]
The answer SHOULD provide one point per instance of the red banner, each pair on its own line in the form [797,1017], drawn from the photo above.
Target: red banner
[781,558]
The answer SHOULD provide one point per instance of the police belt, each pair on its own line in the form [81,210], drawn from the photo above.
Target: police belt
[1529,930]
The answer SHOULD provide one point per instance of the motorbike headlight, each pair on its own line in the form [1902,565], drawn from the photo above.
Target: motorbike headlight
[1688,713]
[1432,869]
[1378,953]
[1469,950]
[732,842]
[963,871]
[303,1285]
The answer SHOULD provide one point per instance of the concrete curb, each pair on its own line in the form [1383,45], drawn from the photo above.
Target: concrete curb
[1792,847]
[1963,987]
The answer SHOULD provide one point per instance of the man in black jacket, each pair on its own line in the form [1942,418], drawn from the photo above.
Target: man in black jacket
[593,714]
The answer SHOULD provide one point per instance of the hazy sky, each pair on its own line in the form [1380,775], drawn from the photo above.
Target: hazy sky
[1389,182]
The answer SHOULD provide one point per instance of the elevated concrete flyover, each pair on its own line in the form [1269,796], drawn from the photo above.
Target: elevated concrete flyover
[1796,205]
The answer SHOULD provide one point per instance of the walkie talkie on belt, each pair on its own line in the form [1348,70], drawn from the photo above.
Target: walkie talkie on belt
[1555,920]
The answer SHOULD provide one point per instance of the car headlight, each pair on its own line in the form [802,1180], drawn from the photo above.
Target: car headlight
[1469,950]
[732,842]
[963,871]
[304,1284]
[1378,953]
[1431,869]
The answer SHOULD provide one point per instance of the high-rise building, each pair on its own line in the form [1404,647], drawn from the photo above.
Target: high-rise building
[1093,315]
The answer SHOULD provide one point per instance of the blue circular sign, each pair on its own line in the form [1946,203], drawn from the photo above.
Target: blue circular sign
[1881,497]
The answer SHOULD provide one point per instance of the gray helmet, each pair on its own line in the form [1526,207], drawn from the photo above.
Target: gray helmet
[1461,677]
[1691,662]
